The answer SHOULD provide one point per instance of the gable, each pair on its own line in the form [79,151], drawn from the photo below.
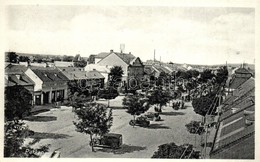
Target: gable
[137,62]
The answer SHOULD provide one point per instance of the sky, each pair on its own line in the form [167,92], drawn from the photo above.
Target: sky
[193,35]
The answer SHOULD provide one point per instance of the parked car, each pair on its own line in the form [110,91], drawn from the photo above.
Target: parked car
[111,140]
[140,121]
[153,116]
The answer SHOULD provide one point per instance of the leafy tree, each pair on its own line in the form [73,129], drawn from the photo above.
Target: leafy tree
[201,105]
[12,57]
[163,79]
[136,104]
[115,76]
[80,87]
[194,73]
[18,102]
[159,97]
[15,133]
[67,58]
[93,119]
[23,59]
[222,75]
[206,75]
[173,151]
[108,94]
[81,63]
[183,74]
[195,127]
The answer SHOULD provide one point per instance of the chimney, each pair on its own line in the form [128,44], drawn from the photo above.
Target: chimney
[130,53]
[111,51]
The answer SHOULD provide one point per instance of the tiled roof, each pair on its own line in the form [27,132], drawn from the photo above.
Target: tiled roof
[76,75]
[70,69]
[233,129]
[94,75]
[99,68]
[236,82]
[242,71]
[101,55]
[19,79]
[15,69]
[49,74]
[161,69]
[127,58]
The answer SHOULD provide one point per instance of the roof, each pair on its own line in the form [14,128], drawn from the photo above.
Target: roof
[76,75]
[48,74]
[15,69]
[242,71]
[63,64]
[99,68]
[101,55]
[18,79]
[126,57]
[161,69]
[235,82]
[233,130]
[71,69]
[113,135]
[94,75]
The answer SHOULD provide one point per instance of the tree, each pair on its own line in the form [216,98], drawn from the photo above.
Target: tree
[115,76]
[173,151]
[159,97]
[67,58]
[93,119]
[81,63]
[23,59]
[136,104]
[15,133]
[202,105]
[18,102]
[222,75]
[12,57]
[108,94]
[195,127]
[206,75]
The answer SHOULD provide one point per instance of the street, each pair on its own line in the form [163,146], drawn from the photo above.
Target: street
[56,127]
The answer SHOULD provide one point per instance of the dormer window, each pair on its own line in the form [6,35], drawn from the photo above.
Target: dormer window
[55,75]
[46,75]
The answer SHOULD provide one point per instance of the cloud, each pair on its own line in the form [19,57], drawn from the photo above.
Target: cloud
[175,37]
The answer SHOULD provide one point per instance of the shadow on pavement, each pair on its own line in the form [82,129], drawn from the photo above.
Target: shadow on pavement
[40,118]
[157,126]
[35,112]
[40,135]
[172,113]
[124,149]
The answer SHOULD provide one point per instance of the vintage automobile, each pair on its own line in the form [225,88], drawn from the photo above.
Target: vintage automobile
[153,116]
[140,121]
[111,140]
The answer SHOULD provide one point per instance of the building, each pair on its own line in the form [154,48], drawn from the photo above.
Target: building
[239,76]
[103,70]
[90,79]
[131,65]
[94,59]
[235,134]
[50,84]
[15,75]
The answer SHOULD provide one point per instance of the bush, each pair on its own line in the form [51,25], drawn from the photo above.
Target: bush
[173,151]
